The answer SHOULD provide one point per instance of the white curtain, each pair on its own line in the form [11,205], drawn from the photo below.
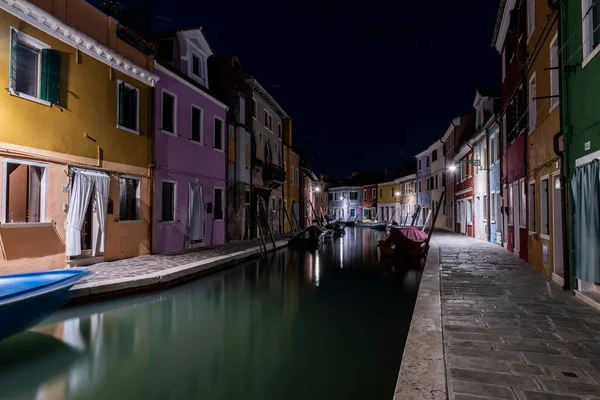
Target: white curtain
[196,217]
[81,191]
[102,185]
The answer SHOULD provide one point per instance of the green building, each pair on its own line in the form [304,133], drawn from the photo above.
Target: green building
[580,112]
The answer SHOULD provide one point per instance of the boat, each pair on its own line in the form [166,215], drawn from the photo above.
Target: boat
[379,227]
[27,299]
[338,228]
[310,237]
[410,241]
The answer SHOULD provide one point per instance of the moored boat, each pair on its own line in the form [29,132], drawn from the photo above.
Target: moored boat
[379,227]
[27,299]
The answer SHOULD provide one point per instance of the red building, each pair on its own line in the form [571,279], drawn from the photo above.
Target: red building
[510,40]
[369,202]
[463,190]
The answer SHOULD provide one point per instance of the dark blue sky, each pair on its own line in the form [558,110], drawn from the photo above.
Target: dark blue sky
[367,85]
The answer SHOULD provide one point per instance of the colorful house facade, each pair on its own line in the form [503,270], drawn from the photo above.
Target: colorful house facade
[407,199]
[345,202]
[495,192]
[369,204]
[437,180]
[579,99]
[423,181]
[81,192]
[510,37]
[190,147]
[291,189]
[463,191]
[544,222]
[388,201]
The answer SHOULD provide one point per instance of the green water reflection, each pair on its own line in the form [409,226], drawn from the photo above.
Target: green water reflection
[323,325]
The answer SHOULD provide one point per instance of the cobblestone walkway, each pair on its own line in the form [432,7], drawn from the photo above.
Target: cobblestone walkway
[509,333]
[138,266]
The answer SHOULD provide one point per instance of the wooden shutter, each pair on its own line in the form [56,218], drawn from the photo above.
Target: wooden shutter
[121,98]
[50,82]
[134,109]
[13,59]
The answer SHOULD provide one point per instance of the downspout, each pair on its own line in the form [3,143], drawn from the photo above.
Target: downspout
[567,276]
[487,185]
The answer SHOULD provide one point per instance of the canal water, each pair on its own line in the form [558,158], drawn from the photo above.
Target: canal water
[328,324]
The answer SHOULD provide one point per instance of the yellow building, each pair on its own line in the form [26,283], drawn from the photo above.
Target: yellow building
[76,143]
[291,188]
[388,201]
[545,240]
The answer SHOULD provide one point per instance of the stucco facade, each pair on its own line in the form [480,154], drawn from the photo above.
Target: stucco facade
[369,204]
[345,202]
[388,201]
[463,195]
[190,154]
[80,127]
[495,199]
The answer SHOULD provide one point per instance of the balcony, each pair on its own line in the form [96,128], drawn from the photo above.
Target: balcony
[273,175]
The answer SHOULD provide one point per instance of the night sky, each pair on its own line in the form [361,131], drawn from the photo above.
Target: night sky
[367,85]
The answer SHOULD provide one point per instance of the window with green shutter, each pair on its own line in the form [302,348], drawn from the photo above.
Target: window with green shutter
[128,106]
[34,69]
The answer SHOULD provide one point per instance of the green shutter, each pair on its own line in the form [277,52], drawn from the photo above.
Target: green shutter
[13,59]
[50,82]
[134,109]
[121,116]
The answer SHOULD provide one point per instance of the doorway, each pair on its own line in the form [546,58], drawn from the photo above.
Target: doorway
[557,230]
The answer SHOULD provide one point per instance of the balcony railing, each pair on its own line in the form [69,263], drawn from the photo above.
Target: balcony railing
[273,175]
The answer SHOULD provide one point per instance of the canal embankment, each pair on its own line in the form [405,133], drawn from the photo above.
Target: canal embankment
[422,371]
[152,272]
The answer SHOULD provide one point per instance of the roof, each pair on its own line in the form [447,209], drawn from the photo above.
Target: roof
[262,92]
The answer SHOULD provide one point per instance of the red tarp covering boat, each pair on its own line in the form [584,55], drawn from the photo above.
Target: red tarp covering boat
[409,240]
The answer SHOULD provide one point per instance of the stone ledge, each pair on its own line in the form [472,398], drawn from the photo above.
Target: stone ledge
[156,280]
[423,372]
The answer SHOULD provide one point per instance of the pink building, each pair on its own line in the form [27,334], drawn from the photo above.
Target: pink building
[190,145]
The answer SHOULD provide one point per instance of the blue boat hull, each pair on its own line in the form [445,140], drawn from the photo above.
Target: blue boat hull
[27,299]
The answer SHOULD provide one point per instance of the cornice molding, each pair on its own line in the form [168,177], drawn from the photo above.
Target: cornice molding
[54,27]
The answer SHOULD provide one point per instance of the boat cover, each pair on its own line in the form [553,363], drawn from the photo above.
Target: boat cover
[19,284]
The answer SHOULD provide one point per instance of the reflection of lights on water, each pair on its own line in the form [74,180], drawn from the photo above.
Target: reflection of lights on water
[317,270]
[342,252]
[310,267]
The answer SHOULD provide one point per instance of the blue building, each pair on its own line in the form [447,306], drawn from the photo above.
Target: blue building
[345,203]
[424,185]
[493,130]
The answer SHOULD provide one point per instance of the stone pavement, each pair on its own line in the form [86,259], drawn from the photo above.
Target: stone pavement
[116,278]
[510,333]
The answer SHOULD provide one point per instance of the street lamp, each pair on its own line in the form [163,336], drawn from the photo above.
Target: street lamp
[317,190]
[397,193]
[452,168]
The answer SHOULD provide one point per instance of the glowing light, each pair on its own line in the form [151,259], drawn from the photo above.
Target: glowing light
[317,190]
[341,197]
[342,252]
[452,168]
[397,193]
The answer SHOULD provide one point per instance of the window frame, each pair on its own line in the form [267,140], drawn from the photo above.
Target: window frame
[43,194]
[374,193]
[222,203]
[201,141]
[587,32]
[137,114]
[365,193]
[254,109]
[139,218]
[162,112]
[174,220]
[279,130]
[522,204]
[545,217]
[531,220]
[222,148]
[39,45]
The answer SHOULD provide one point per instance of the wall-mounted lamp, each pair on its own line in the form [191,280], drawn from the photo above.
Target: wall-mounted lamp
[317,189]
[397,193]
[452,168]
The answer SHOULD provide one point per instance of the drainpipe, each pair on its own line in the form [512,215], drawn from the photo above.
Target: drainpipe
[487,185]
[568,273]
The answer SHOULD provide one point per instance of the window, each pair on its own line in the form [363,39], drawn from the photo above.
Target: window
[427,161]
[523,206]
[254,109]
[330,196]
[353,195]
[196,65]
[436,181]
[197,115]
[129,199]
[365,194]
[469,212]
[532,105]
[297,177]
[444,178]
[270,127]
[532,221]
[128,106]
[352,211]
[554,74]
[485,207]
[392,191]
[492,149]
[419,163]
[34,69]
[218,134]
[266,120]
[407,188]
[24,192]
[279,130]
[380,193]
[169,105]
[420,182]
[545,207]
[218,204]
[493,207]
[168,201]
[434,156]
[530,18]
[247,155]
[247,197]
[510,205]
[374,194]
